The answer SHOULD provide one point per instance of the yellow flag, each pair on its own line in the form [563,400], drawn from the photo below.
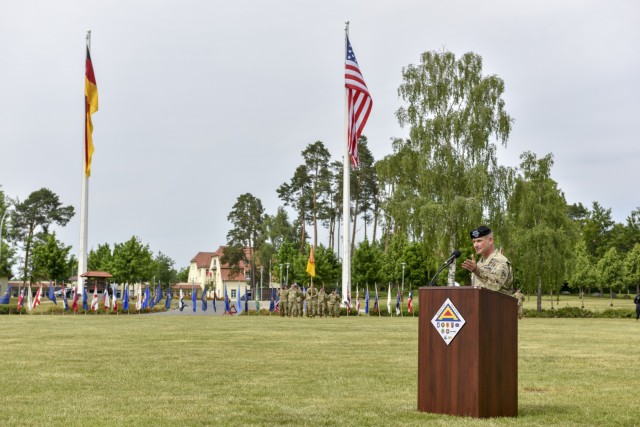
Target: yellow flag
[311,264]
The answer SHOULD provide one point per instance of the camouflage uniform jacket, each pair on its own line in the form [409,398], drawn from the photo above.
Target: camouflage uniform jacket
[312,293]
[494,273]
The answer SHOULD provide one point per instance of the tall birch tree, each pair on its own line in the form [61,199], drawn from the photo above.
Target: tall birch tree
[451,181]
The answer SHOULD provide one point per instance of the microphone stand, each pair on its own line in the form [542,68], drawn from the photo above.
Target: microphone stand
[433,280]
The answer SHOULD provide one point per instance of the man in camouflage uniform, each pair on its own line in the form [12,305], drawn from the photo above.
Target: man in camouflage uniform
[334,304]
[299,300]
[322,303]
[284,301]
[293,308]
[520,297]
[312,301]
[493,270]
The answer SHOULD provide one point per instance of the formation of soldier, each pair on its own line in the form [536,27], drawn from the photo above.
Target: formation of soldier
[318,301]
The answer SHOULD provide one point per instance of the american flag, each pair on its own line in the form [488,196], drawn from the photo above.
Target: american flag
[21,298]
[359,102]
[410,303]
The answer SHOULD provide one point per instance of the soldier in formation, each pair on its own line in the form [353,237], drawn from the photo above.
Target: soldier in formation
[322,303]
[520,297]
[295,299]
[334,304]
[284,301]
[312,301]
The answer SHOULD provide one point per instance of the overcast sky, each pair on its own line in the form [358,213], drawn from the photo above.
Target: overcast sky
[202,101]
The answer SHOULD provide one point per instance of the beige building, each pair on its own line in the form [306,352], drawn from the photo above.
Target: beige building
[206,269]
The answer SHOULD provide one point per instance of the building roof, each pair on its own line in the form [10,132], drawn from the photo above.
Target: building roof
[225,269]
[187,286]
[203,259]
[97,274]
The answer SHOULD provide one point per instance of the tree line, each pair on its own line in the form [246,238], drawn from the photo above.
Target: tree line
[417,204]
[414,206]
[32,246]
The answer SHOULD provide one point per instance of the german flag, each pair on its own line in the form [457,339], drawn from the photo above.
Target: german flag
[90,107]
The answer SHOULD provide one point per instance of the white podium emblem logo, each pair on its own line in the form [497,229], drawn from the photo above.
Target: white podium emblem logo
[448,321]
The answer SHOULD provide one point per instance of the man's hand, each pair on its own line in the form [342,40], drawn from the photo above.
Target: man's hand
[470,264]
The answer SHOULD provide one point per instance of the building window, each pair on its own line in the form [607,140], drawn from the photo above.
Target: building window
[233,293]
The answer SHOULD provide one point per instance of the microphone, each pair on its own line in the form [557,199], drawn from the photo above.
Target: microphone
[455,254]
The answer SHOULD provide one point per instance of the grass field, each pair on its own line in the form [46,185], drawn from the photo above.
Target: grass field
[154,370]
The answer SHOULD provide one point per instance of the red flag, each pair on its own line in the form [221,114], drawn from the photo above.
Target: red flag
[36,300]
[410,303]
[74,304]
[359,102]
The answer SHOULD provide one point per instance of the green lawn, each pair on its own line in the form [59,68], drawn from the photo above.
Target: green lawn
[151,370]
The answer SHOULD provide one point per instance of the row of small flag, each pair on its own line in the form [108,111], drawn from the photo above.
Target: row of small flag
[109,301]
[144,300]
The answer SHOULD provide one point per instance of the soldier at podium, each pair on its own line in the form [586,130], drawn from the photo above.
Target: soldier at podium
[493,270]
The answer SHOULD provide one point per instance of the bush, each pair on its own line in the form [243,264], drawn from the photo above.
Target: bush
[577,312]
[616,313]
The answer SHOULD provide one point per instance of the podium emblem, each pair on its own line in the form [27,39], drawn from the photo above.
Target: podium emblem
[448,321]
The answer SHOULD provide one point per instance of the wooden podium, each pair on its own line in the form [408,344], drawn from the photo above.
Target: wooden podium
[476,373]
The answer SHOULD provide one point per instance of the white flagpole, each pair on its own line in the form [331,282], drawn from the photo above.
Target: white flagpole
[84,202]
[346,187]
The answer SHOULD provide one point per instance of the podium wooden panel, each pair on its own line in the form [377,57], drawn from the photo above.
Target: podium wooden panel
[476,375]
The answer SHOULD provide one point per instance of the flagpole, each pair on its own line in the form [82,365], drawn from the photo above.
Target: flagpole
[84,200]
[346,187]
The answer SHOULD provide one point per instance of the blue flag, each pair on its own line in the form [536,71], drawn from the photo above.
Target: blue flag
[52,293]
[85,306]
[238,303]
[152,301]
[125,298]
[214,301]
[145,300]
[193,298]
[227,308]
[64,299]
[7,296]
[366,301]
[167,304]
[272,302]
[204,301]
[159,295]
